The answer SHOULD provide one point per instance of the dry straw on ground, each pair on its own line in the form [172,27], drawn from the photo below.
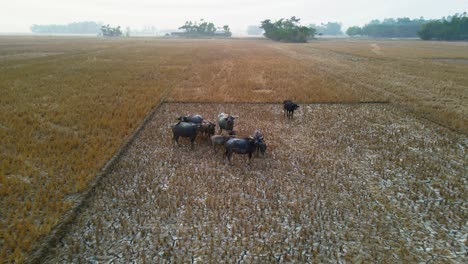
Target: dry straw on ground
[355,183]
[67,104]
[62,117]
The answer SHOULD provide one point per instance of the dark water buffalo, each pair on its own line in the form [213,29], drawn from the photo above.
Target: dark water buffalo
[260,146]
[185,129]
[208,128]
[226,122]
[220,140]
[240,146]
[197,119]
[257,136]
[289,107]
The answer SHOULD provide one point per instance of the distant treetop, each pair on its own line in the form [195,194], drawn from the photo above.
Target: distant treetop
[389,28]
[108,31]
[451,28]
[86,27]
[330,29]
[204,28]
[287,30]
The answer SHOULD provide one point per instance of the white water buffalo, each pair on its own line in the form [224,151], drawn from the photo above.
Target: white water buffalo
[220,140]
[226,122]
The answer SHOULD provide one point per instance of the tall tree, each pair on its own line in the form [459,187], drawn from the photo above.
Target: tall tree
[108,31]
[354,31]
[452,28]
[287,30]
[202,28]
[392,28]
[227,30]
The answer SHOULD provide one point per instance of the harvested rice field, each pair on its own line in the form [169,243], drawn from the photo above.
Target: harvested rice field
[70,105]
[339,183]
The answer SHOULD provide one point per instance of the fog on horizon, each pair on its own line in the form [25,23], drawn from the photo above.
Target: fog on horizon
[16,16]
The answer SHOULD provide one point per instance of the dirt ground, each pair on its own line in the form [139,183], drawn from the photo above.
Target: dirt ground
[340,182]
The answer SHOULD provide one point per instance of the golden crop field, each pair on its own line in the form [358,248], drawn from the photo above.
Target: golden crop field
[67,104]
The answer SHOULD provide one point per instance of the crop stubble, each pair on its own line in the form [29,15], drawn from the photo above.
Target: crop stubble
[68,103]
[62,117]
[340,182]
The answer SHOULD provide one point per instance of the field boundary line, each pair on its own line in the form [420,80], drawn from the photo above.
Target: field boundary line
[271,102]
[423,116]
[58,232]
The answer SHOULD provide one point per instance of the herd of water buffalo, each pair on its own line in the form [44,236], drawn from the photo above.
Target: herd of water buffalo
[192,125]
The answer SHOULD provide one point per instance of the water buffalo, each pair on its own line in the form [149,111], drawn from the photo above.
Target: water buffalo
[260,145]
[257,136]
[220,140]
[289,107]
[261,148]
[197,119]
[185,129]
[239,146]
[208,128]
[226,122]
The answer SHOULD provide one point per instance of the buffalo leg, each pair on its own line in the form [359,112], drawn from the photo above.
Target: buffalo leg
[229,155]
[192,139]
[175,139]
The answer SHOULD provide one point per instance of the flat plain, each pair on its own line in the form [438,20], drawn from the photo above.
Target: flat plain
[354,183]
[67,105]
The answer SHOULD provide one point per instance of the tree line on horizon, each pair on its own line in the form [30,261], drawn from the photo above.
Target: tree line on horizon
[289,30]
[389,28]
[451,28]
[204,28]
[85,27]
[329,28]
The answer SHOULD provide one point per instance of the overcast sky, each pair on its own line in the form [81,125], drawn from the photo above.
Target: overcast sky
[19,15]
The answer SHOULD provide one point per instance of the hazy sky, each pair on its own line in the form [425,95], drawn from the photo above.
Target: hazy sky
[19,15]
